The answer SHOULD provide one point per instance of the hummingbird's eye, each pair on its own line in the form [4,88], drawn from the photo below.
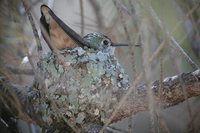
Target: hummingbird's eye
[106,42]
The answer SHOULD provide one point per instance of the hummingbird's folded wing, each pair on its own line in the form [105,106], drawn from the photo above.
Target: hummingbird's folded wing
[55,30]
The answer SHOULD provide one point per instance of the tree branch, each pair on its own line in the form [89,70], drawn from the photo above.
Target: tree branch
[171,94]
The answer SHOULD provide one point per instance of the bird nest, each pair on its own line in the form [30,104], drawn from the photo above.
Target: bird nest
[84,90]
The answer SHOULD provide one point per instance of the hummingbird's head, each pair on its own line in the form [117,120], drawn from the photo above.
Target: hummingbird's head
[100,41]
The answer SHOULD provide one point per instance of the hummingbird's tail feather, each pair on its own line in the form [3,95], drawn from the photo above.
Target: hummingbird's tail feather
[60,34]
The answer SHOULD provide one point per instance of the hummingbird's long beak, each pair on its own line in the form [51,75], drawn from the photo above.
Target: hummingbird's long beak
[47,20]
[118,44]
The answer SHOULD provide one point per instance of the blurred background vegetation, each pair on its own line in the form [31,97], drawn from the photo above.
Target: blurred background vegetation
[122,21]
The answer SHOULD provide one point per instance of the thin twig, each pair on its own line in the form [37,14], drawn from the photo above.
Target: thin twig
[33,3]
[35,32]
[133,16]
[97,10]
[147,74]
[135,20]
[82,17]
[131,50]
[185,55]
[161,122]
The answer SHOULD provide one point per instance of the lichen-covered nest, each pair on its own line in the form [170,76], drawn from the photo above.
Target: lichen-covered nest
[84,90]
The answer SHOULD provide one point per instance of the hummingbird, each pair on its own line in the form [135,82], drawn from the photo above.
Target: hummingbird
[62,36]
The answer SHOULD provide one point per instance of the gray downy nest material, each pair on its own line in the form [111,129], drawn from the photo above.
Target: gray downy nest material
[86,90]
